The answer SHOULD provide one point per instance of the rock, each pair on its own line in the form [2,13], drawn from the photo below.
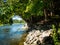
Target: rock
[25,27]
[36,37]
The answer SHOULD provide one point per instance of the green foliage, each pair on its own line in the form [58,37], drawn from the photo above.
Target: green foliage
[56,35]
[9,7]
[35,7]
[5,12]
[24,8]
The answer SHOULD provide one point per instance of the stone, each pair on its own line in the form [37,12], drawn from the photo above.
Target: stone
[37,37]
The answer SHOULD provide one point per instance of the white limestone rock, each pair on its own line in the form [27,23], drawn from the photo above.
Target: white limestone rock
[35,35]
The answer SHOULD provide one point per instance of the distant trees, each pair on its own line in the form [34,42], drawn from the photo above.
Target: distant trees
[19,21]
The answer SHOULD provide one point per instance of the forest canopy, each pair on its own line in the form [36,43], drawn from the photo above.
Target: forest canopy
[27,9]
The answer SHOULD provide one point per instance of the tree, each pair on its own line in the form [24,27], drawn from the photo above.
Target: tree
[32,11]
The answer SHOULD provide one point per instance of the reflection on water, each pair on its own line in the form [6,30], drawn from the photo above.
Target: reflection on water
[8,33]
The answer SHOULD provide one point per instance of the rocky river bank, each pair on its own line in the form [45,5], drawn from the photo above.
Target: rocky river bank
[39,37]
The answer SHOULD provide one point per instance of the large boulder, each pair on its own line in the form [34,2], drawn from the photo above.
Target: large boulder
[37,37]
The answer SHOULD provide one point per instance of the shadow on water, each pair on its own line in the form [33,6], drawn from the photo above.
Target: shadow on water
[11,35]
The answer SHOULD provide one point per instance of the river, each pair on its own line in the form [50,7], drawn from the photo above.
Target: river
[10,32]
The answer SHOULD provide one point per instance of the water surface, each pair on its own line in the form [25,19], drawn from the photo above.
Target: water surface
[10,32]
